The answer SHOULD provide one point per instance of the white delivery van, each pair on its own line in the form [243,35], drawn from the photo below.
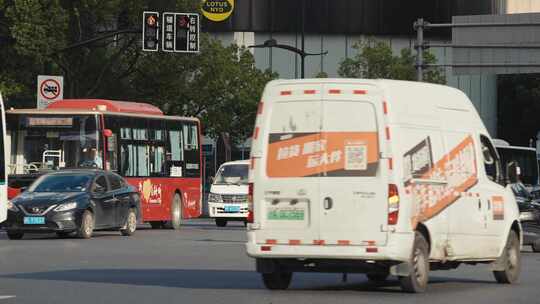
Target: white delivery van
[379,177]
[227,200]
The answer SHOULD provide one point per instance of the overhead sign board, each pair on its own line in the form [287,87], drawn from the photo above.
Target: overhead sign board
[496,44]
[168,32]
[49,89]
[217,10]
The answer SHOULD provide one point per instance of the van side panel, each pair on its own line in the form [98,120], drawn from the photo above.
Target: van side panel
[420,150]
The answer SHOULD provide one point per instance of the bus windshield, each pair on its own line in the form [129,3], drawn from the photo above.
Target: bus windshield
[50,142]
[232,174]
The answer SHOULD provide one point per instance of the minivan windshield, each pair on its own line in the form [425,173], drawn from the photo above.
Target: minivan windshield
[61,183]
[232,174]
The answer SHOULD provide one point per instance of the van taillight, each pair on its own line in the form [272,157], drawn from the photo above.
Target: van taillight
[393,204]
[250,203]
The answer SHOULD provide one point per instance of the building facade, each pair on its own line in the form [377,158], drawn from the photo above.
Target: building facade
[335,26]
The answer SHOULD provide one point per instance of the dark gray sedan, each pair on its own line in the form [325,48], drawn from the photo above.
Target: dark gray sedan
[74,202]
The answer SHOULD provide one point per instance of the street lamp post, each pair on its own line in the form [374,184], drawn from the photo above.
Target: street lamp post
[303,54]
[273,43]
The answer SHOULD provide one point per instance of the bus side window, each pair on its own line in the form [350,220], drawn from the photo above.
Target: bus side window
[176,145]
[190,137]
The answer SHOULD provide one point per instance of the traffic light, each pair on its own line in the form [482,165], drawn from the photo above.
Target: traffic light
[150,31]
[182,32]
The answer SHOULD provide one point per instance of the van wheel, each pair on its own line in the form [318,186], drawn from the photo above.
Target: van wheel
[512,261]
[131,223]
[417,280]
[176,213]
[377,277]
[536,246]
[15,235]
[277,280]
[87,225]
[221,222]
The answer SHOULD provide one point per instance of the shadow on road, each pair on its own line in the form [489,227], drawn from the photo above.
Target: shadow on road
[228,279]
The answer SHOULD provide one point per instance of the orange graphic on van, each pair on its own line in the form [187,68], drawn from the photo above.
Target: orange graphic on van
[449,178]
[332,153]
[498,208]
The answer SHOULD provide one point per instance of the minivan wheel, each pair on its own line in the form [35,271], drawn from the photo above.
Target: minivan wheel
[277,280]
[417,280]
[512,261]
[15,235]
[131,223]
[221,222]
[86,229]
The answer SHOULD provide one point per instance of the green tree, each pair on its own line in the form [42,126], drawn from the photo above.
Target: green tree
[376,60]
[220,85]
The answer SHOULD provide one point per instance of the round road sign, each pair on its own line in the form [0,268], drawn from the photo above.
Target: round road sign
[49,89]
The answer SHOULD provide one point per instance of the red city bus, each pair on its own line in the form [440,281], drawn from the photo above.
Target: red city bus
[158,154]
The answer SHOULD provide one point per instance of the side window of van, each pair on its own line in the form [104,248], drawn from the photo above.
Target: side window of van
[491,160]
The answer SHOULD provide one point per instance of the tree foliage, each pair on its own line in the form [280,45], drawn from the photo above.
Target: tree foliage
[375,59]
[221,85]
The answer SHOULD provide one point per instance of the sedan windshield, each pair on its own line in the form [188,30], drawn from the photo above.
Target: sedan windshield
[232,174]
[61,183]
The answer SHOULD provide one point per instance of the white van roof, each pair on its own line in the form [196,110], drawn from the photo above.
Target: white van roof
[409,102]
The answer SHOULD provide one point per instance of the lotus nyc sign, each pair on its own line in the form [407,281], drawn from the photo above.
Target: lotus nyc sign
[217,10]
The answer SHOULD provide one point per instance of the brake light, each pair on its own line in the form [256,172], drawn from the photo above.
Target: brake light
[393,204]
[250,203]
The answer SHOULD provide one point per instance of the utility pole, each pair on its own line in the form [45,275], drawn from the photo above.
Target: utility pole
[419,26]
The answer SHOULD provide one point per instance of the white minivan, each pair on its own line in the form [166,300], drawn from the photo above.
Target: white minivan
[227,200]
[379,177]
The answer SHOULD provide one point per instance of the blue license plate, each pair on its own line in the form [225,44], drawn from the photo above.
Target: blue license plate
[34,220]
[232,208]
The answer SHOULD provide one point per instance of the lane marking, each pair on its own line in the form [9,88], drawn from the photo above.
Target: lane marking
[6,297]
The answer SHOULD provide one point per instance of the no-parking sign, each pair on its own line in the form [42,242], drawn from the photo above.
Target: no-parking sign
[49,89]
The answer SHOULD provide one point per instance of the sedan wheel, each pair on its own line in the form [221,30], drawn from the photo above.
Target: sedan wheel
[86,229]
[15,235]
[131,223]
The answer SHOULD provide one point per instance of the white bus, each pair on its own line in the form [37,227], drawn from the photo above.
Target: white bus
[3,179]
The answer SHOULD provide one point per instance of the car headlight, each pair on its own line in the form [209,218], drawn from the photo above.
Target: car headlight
[66,206]
[215,198]
[527,216]
[12,207]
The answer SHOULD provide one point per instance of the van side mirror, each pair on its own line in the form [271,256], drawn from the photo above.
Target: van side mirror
[512,172]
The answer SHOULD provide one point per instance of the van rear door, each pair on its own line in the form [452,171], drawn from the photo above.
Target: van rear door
[353,186]
[288,207]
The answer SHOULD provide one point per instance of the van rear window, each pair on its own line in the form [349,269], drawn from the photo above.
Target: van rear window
[343,141]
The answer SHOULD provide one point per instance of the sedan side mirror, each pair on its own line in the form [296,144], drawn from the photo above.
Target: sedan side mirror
[512,172]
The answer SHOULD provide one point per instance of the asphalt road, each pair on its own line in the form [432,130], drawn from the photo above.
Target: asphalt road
[204,264]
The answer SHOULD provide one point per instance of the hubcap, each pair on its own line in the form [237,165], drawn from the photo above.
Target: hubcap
[419,266]
[512,257]
[88,224]
[132,222]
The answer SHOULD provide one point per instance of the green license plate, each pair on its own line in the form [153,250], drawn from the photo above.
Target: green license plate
[286,214]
